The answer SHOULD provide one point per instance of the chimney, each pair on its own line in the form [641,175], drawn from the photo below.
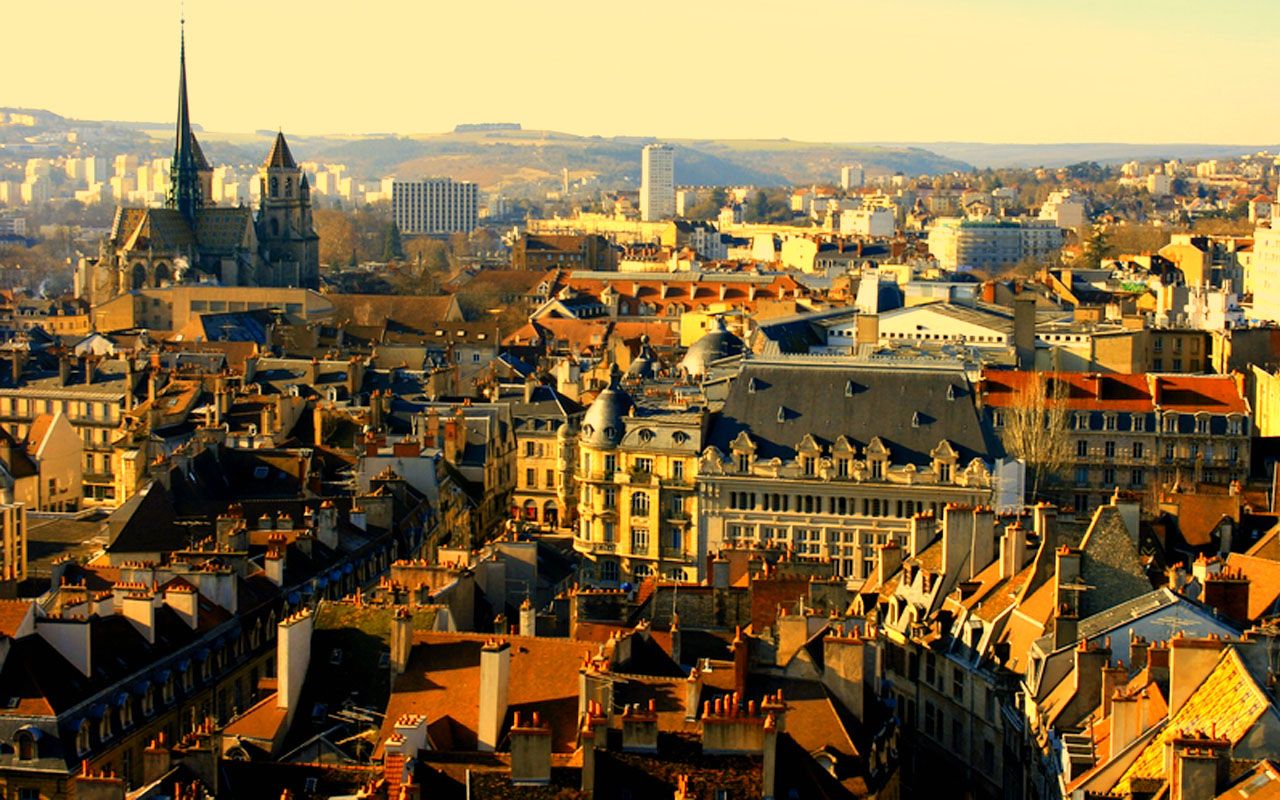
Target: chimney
[64,370]
[1200,767]
[185,602]
[495,673]
[530,384]
[692,694]
[1066,596]
[720,572]
[923,529]
[528,619]
[640,729]
[1227,592]
[140,609]
[1090,661]
[293,656]
[769,769]
[327,524]
[593,736]
[98,785]
[401,639]
[1013,548]
[1044,516]
[530,752]
[156,760]
[1190,662]
[1113,680]
[957,538]
[354,376]
[888,561]
[983,551]
[317,424]
[1024,332]
[1126,722]
[675,637]
[273,563]
[358,518]
[849,670]
[741,660]
[1137,651]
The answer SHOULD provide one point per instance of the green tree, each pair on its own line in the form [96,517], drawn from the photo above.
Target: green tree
[1097,248]
[392,248]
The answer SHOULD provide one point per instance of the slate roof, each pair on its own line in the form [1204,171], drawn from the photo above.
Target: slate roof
[778,403]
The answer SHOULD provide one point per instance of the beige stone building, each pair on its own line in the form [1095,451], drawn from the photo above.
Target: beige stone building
[637,507]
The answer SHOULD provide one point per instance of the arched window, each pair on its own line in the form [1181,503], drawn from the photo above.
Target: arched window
[275,225]
[640,504]
[275,186]
[288,187]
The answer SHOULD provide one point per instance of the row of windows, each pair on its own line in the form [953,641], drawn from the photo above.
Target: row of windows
[822,504]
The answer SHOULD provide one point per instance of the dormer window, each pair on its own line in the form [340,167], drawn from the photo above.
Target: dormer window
[82,739]
[24,745]
[104,726]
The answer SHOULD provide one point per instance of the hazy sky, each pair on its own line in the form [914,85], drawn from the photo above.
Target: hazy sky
[841,70]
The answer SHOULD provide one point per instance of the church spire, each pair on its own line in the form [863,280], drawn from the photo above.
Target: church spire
[184,180]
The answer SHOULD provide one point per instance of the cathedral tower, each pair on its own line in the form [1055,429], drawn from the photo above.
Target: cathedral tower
[184,176]
[285,227]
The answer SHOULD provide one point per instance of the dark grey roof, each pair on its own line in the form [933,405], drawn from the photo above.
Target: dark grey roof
[910,409]
[605,421]
[718,343]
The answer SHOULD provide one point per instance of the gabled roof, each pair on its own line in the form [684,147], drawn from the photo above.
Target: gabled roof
[1228,702]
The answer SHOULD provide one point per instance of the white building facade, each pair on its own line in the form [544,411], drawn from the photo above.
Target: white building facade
[657,183]
[435,205]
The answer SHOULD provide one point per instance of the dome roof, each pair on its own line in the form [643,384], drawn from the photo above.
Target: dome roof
[718,343]
[605,421]
[646,364]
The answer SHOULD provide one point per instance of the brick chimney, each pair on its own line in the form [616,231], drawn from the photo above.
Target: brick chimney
[1200,767]
[495,674]
[91,785]
[593,736]
[741,648]
[1227,592]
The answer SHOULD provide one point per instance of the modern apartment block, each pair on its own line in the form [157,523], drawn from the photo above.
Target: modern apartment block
[435,205]
[984,243]
[657,183]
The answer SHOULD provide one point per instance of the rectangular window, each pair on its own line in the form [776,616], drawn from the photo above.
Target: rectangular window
[1109,477]
[1137,478]
[531,478]
[551,479]
[677,469]
[1082,448]
[640,540]
[528,448]
[957,684]
[1138,450]
[610,498]
[1110,449]
[644,465]
[1082,476]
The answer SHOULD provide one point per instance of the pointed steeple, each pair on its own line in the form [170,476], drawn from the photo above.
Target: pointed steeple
[280,157]
[184,180]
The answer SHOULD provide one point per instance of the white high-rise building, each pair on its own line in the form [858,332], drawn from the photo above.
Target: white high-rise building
[852,177]
[657,182]
[435,205]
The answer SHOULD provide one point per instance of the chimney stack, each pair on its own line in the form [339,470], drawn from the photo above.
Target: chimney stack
[495,674]
[401,639]
[530,752]
[528,619]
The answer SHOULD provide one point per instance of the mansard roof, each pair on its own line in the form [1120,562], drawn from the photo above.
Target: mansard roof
[884,403]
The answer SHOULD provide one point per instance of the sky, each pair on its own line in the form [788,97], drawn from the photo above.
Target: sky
[1025,71]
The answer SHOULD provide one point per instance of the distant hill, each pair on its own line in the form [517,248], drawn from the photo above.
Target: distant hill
[983,155]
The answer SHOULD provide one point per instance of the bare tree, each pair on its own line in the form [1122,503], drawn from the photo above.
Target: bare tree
[1035,429]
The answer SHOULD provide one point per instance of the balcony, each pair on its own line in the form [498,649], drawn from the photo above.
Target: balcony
[673,554]
[589,546]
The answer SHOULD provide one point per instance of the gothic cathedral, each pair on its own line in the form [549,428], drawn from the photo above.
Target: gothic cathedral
[191,240]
